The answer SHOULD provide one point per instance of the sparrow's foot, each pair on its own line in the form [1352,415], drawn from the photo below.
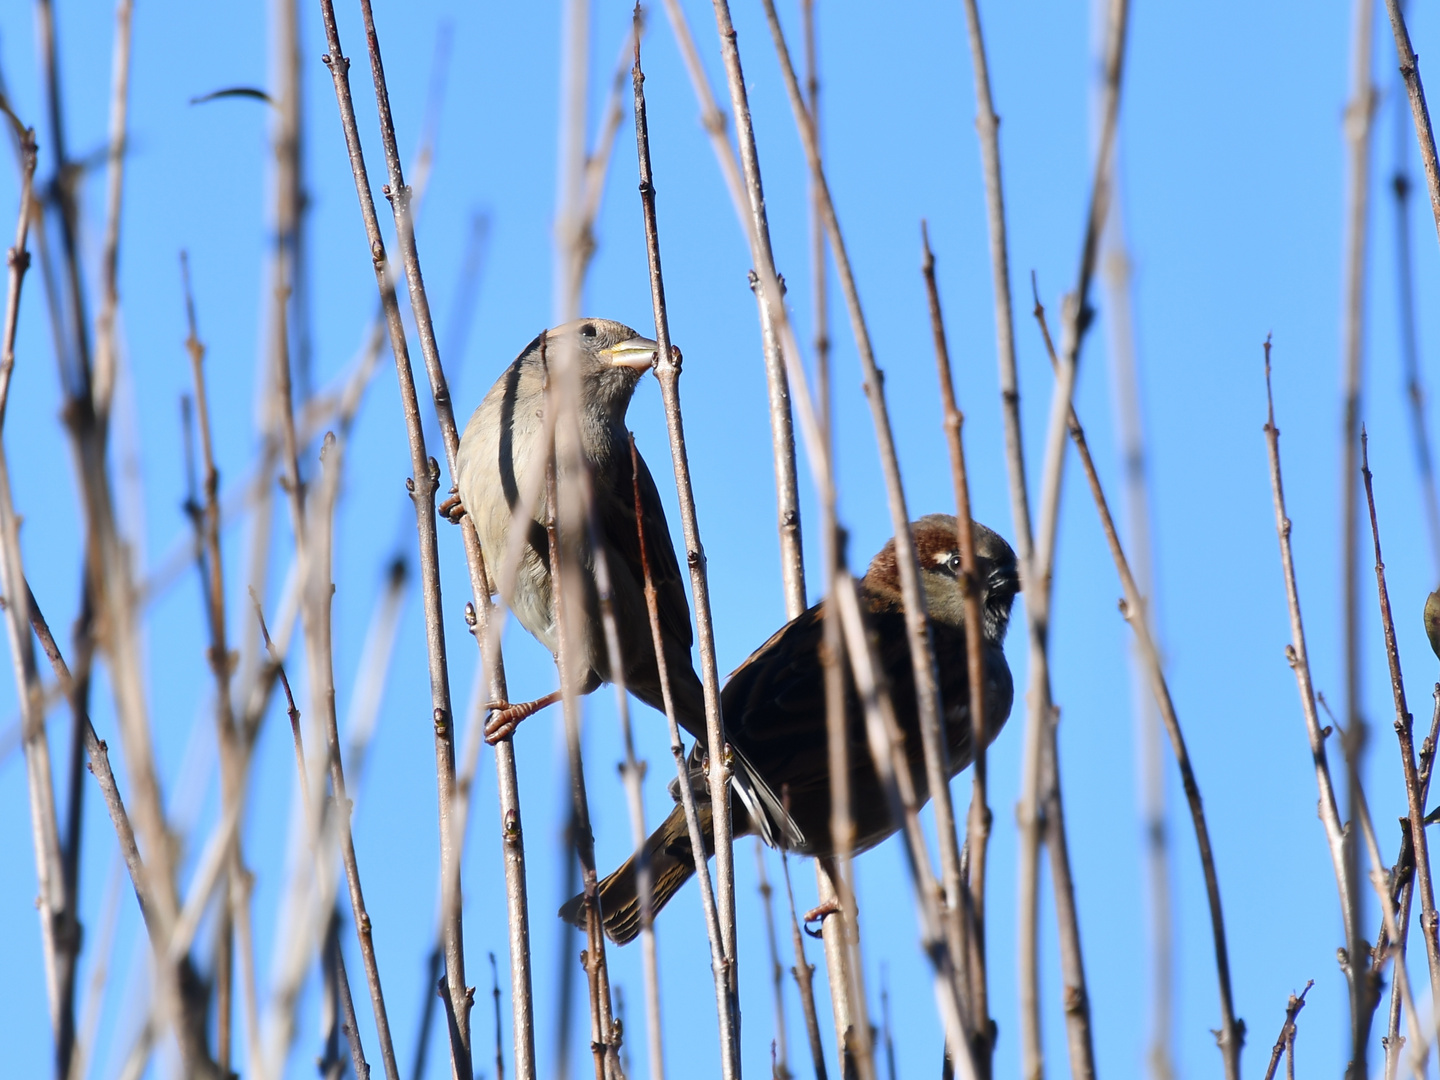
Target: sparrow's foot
[505,717]
[818,915]
[452,510]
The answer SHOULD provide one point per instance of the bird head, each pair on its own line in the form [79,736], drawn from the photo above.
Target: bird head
[612,357]
[937,548]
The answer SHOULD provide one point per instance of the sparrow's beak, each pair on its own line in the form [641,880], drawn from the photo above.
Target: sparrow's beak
[637,353]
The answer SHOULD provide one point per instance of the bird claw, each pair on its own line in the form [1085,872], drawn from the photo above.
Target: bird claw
[819,915]
[452,510]
[505,717]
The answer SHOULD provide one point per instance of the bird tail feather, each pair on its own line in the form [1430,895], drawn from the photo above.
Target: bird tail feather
[671,863]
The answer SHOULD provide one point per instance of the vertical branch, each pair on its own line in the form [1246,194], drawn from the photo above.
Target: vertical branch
[422,485]
[757,231]
[54,905]
[1404,875]
[1232,1031]
[1041,752]
[780,1052]
[1409,336]
[567,592]
[937,771]
[1359,112]
[834,878]
[667,371]
[987,126]
[1419,111]
[1126,392]
[977,835]
[804,973]
[1298,656]
[1404,730]
[105,343]
[232,757]
[313,830]
[724,1003]
[1286,1040]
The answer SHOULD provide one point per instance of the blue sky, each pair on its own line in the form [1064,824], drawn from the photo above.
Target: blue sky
[1232,167]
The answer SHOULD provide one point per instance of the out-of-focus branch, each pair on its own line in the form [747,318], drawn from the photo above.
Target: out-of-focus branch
[233,757]
[1232,1029]
[1130,428]
[1409,336]
[1359,112]
[1419,111]
[317,846]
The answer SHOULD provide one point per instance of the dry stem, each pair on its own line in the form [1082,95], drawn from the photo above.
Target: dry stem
[667,372]
[1404,731]
[1298,657]
[1419,111]
[1286,1039]
[977,837]
[1232,1030]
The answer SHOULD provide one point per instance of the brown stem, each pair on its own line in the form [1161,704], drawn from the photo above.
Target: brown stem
[779,1050]
[1404,730]
[1286,1040]
[1131,431]
[424,494]
[977,837]
[667,372]
[1419,111]
[1232,1029]
[1298,657]
[233,759]
[804,973]
[313,832]
[917,623]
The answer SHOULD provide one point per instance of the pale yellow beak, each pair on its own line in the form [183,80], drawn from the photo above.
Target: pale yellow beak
[637,353]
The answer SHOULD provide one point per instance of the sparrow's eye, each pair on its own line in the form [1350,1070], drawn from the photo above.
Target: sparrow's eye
[953,563]
[587,330]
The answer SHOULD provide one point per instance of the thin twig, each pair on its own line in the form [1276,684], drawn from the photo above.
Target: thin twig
[723,1000]
[779,1051]
[667,372]
[1419,111]
[1406,896]
[1298,657]
[1409,335]
[425,477]
[1131,431]
[937,771]
[748,198]
[977,835]
[1404,730]
[313,837]
[804,973]
[1286,1038]
[1232,1029]
[987,126]
[233,759]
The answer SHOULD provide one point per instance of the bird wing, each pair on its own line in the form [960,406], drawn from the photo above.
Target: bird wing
[617,518]
[774,706]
